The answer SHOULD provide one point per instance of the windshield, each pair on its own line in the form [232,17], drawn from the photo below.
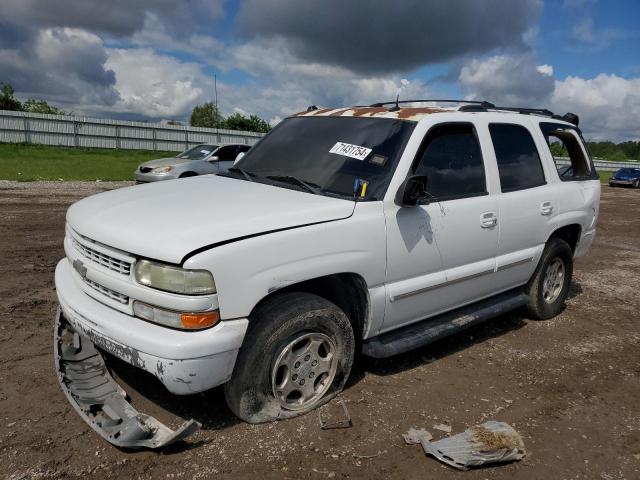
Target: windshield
[334,154]
[629,171]
[197,153]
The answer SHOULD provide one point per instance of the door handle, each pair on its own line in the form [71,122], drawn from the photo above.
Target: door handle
[488,220]
[546,208]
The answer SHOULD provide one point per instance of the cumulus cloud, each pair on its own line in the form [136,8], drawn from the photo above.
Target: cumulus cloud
[608,105]
[66,63]
[515,79]
[154,85]
[116,17]
[380,37]
[281,83]
[55,50]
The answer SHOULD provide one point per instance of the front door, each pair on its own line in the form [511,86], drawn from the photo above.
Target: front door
[442,255]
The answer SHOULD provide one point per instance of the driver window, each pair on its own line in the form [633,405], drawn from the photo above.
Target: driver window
[451,158]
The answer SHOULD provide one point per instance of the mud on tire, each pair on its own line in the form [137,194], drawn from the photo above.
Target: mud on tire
[273,328]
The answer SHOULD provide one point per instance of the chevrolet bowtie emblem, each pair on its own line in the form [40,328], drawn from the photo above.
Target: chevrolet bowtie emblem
[79,267]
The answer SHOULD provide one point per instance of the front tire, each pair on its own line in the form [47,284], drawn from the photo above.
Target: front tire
[296,356]
[549,285]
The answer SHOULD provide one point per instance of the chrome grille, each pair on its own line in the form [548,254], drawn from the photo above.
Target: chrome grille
[107,292]
[100,258]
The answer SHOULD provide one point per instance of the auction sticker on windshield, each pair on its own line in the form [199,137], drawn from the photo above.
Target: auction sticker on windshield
[348,150]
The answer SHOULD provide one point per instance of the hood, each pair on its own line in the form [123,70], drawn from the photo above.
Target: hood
[165,162]
[168,220]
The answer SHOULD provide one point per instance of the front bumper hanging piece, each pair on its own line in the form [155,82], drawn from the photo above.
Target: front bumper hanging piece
[99,400]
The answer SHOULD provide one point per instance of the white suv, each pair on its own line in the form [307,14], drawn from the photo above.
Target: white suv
[375,229]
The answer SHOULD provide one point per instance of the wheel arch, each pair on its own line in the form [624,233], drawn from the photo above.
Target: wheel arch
[348,291]
[569,233]
[188,173]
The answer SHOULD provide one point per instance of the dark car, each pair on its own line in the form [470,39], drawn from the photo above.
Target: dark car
[629,177]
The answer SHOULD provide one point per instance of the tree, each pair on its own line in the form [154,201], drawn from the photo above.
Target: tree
[7,99]
[206,115]
[252,123]
[40,106]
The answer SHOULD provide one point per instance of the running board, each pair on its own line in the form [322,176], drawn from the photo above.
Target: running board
[99,400]
[428,331]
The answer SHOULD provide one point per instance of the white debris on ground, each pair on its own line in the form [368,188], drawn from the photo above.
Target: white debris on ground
[489,443]
[416,435]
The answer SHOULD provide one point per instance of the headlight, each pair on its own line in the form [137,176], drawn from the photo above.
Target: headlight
[174,279]
[162,169]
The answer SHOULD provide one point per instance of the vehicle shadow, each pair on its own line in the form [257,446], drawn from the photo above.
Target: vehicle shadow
[435,351]
[575,290]
[208,408]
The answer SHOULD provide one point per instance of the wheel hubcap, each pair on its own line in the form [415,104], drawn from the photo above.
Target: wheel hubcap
[303,370]
[553,281]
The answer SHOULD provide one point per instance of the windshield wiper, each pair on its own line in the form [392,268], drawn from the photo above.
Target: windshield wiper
[244,173]
[310,187]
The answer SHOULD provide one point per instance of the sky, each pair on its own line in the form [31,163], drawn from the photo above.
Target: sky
[155,59]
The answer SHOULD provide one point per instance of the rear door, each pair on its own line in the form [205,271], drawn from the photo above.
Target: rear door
[527,202]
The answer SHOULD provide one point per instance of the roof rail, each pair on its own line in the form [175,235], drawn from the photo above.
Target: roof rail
[483,106]
[396,102]
[567,117]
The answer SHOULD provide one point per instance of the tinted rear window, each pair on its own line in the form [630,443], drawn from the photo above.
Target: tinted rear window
[517,156]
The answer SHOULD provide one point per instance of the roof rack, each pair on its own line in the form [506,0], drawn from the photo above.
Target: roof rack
[470,102]
[483,106]
[567,117]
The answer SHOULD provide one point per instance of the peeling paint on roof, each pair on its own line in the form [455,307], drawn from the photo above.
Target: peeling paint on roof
[404,113]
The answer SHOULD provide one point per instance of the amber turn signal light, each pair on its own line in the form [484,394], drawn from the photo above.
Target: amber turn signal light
[194,321]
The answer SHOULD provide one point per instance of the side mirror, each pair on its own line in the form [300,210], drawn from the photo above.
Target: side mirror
[413,191]
[238,157]
[215,158]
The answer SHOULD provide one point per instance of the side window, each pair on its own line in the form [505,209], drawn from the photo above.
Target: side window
[567,151]
[226,153]
[451,158]
[517,156]
[243,148]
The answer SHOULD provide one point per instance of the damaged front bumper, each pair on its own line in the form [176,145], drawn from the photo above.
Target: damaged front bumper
[186,362]
[99,400]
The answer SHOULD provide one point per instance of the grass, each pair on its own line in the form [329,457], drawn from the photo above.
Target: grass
[27,163]
[604,176]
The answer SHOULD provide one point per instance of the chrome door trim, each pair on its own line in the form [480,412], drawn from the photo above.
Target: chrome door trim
[440,285]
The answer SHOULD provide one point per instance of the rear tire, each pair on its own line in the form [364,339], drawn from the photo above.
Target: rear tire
[549,285]
[296,356]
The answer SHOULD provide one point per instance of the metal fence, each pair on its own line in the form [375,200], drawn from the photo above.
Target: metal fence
[71,131]
[604,165]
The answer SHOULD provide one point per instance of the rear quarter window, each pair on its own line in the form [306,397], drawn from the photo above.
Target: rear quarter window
[517,157]
[568,151]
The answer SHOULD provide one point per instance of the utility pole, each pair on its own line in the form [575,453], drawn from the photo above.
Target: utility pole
[215,90]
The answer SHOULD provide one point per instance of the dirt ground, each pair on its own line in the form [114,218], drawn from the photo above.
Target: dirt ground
[570,386]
